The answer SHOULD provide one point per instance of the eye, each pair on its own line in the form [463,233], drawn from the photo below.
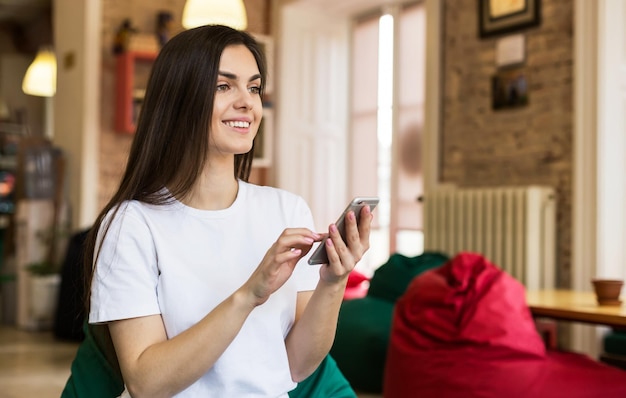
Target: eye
[222,87]
[254,90]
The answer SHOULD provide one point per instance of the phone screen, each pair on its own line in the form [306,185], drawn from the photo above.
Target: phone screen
[320,256]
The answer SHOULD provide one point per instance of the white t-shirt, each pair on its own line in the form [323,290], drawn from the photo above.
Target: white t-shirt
[182,262]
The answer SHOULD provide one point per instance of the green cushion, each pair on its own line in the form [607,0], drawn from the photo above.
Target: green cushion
[392,278]
[615,343]
[326,382]
[364,324]
[361,341]
[91,375]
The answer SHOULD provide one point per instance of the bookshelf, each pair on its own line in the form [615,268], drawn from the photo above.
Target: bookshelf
[132,71]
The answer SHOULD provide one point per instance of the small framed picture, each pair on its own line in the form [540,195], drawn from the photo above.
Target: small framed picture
[267,45]
[504,16]
[263,140]
[509,89]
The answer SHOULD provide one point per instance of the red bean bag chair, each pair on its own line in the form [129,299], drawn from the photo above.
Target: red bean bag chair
[364,324]
[357,285]
[464,330]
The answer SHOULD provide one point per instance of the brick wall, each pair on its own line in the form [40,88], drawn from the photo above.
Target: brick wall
[528,145]
[114,146]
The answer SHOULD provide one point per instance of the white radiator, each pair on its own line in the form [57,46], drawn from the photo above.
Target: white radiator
[513,227]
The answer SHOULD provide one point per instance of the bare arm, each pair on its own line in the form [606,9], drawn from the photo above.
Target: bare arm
[312,336]
[154,366]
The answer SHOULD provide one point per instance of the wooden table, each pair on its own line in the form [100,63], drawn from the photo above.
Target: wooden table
[568,305]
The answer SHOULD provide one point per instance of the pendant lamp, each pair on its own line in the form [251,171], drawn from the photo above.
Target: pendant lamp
[207,12]
[41,76]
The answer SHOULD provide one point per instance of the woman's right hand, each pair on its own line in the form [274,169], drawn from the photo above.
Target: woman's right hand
[279,262]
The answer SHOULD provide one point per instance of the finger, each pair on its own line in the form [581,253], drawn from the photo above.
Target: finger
[276,258]
[323,236]
[340,259]
[352,231]
[357,244]
[365,224]
[288,242]
[338,247]
[290,255]
[303,232]
[331,252]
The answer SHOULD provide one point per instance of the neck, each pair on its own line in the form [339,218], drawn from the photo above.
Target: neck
[216,188]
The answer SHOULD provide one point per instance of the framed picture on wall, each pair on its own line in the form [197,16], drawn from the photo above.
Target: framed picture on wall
[504,16]
[267,45]
[263,141]
[509,88]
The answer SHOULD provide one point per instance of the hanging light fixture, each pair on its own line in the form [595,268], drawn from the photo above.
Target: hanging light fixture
[41,76]
[223,12]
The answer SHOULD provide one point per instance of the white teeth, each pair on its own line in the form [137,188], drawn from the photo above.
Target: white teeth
[239,124]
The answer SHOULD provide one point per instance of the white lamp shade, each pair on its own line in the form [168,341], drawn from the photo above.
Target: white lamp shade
[220,12]
[41,76]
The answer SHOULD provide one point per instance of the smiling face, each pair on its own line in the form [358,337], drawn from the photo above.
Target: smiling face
[237,110]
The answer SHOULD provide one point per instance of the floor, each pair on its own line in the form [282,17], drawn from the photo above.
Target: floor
[35,364]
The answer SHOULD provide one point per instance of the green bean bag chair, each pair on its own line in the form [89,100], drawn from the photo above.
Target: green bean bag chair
[614,345]
[364,325]
[615,342]
[326,382]
[93,376]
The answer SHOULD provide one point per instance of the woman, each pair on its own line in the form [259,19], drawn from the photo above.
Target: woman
[199,277]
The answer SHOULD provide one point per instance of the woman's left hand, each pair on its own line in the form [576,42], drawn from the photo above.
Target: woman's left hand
[343,256]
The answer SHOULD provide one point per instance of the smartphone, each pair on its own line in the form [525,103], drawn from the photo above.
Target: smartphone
[319,256]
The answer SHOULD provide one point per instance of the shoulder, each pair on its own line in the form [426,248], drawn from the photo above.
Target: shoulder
[131,217]
[127,211]
[275,201]
[137,210]
[272,195]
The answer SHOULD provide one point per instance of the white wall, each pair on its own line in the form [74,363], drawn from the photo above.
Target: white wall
[77,103]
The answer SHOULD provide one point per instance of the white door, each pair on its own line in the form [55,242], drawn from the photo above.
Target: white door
[611,150]
[387,123]
[312,109]
[599,203]
[314,47]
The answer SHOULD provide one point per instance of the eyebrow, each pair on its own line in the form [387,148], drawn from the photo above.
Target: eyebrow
[232,76]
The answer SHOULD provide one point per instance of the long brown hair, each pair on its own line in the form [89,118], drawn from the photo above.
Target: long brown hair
[171,143]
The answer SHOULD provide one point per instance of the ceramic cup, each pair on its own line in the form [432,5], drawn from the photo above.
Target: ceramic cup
[608,291]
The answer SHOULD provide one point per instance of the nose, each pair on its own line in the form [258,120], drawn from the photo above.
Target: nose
[245,99]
